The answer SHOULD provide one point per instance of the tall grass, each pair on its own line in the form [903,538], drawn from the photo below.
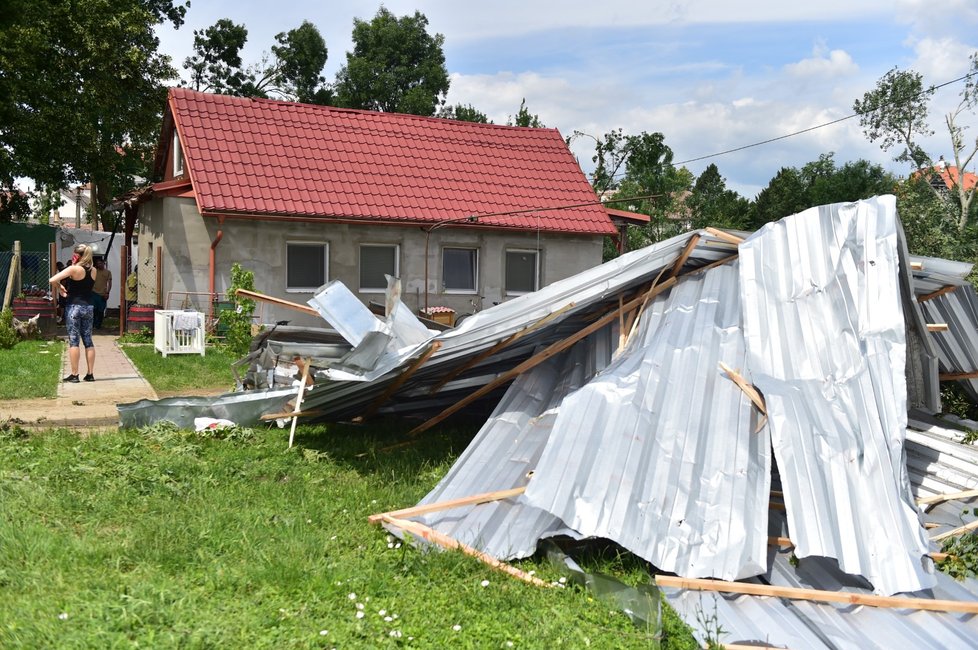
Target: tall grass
[164,539]
[31,369]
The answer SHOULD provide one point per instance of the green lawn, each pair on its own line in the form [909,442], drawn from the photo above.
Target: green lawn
[183,372]
[164,539]
[31,369]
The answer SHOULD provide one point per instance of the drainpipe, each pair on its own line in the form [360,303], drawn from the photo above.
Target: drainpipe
[217,240]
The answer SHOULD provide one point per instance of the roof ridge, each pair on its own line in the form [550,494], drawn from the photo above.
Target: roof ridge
[189,92]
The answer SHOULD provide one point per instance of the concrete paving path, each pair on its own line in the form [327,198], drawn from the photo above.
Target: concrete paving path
[85,404]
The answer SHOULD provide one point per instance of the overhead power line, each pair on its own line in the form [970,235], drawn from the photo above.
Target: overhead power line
[811,128]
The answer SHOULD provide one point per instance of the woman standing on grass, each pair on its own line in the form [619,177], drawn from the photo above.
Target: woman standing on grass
[78,278]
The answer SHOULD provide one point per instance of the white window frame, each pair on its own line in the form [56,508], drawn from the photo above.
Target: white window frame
[325,247]
[475,278]
[536,270]
[177,155]
[397,266]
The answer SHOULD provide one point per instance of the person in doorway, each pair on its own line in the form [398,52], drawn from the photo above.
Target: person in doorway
[75,283]
[100,292]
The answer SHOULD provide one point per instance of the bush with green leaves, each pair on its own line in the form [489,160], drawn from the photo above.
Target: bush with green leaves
[238,320]
[8,336]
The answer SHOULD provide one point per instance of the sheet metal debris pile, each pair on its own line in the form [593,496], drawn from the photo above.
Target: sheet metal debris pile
[649,401]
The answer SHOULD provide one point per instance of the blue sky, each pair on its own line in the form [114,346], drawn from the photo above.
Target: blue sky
[710,75]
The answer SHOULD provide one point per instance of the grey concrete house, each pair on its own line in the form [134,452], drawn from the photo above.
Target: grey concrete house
[466,215]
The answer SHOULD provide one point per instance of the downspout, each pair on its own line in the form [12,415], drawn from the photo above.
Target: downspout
[217,240]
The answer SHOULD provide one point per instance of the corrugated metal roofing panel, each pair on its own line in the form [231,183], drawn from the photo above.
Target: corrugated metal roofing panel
[506,450]
[957,347]
[659,451]
[825,340]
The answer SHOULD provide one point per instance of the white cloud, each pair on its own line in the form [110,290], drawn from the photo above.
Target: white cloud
[837,63]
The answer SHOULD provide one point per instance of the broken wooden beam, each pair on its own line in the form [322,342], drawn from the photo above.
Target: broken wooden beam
[288,414]
[687,251]
[482,356]
[397,383]
[936,294]
[960,530]
[298,400]
[951,496]
[535,360]
[817,595]
[443,540]
[254,295]
[724,236]
[955,376]
[937,327]
[474,500]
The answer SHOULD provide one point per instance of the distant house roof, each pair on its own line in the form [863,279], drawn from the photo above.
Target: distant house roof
[284,159]
[951,176]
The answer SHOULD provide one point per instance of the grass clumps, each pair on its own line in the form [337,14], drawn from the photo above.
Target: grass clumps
[168,538]
[31,369]
[183,372]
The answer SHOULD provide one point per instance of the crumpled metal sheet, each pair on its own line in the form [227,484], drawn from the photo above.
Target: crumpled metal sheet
[243,408]
[659,451]
[825,341]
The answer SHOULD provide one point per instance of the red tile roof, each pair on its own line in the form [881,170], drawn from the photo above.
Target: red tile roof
[265,157]
[950,175]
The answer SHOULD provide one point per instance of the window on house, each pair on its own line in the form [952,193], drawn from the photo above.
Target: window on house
[376,261]
[177,156]
[306,265]
[460,269]
[522,271]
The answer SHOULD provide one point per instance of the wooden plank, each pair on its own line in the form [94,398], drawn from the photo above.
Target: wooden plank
[917,266]
[937,327]
[711,265]
[535,360]
[687,251]
[752,393]
[499,346]
[288,414]
[936,294]
[647,296]
[403,377]
[817,595]
[952,496]
[485,497]
[784,541]
[432,535]
[254,295]
[725,236]
[954,376]
[960,530]
[298,401]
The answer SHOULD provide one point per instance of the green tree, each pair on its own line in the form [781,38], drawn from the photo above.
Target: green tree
[463,113]
[826,183]
[81,90]
[710,203]
[655,187]
[526,119]
[785,194]
[817,183]
[395,66]
[215,65]
[896,114]
[292,71]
